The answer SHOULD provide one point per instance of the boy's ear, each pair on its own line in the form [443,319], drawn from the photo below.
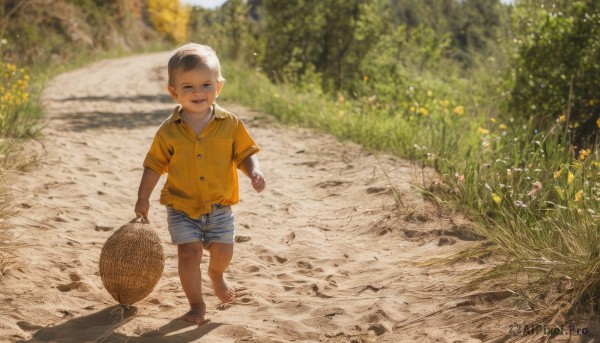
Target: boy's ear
[219,87]
[172,92]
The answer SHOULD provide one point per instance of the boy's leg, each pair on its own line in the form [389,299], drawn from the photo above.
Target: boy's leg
[190,255]
[220,257]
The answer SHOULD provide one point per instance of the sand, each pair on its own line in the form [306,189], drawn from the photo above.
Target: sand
[323,254]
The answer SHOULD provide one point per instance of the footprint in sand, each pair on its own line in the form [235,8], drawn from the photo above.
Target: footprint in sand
[27,326]
[251,269]
[242,239]
[304,265]
[289,238]
[76,285]
[280,259]
[103,228]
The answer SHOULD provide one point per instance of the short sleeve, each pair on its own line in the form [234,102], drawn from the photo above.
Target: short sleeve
[159,155]
[243,144]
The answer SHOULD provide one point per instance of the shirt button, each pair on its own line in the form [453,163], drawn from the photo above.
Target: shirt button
[199,156]
[199,139]
[201,178]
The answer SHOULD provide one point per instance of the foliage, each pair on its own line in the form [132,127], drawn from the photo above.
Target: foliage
[18,112]
[371,49]
[13,88]
[170,18]
[341,53]
[37,33]
[557,65]
[227,30]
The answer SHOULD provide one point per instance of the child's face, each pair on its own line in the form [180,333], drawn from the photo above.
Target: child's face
[196,89]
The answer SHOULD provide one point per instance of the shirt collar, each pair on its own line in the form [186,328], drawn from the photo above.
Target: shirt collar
[220,113]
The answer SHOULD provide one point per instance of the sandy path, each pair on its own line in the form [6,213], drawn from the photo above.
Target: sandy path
[323,254]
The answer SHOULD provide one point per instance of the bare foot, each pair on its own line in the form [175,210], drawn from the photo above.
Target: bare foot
[221,288]
[195,314]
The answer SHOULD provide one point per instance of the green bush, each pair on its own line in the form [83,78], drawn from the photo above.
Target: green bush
[557,65]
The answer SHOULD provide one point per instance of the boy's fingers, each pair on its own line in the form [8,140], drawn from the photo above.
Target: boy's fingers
[144,216]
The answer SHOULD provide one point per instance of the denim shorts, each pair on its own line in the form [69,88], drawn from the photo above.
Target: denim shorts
[216,226]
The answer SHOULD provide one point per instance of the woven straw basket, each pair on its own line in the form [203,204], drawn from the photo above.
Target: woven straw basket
[132,262]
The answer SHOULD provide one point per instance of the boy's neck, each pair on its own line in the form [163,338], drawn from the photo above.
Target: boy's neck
[197,114]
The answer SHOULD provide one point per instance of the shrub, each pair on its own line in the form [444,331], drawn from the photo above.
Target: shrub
[169,18]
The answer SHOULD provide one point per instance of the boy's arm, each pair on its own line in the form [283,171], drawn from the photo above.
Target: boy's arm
[250,167]
[149,180]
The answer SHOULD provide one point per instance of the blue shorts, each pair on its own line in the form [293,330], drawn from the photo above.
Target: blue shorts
[216,226]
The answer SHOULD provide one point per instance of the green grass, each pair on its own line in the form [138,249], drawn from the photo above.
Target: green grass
[534,196]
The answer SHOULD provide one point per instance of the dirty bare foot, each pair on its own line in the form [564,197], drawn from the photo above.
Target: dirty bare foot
[221,288]
[195,314]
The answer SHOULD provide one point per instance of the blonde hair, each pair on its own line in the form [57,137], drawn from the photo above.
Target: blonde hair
[193,55]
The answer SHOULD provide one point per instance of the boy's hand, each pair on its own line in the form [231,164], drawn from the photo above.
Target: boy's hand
[258,181]
[142,206]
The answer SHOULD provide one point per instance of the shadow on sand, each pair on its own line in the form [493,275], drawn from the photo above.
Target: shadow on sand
[89,114]
[101,326]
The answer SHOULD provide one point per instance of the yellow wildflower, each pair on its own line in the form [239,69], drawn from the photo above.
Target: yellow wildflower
[483,131]
[570,177]
[366,78]
[583,153]
[503,127]
[429,93]
[459,110]
[557,174]
[412,109]
[562,118]
[444,103]
[598,123]
[423,112]
[496,198]
[493,120]
[578,195]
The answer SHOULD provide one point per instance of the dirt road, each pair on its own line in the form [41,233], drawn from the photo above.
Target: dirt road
[324,254]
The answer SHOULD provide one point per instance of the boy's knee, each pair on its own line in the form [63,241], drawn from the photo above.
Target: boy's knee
[190,251]
[221,249]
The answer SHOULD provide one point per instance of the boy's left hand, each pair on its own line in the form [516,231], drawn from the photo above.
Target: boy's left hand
[258,181]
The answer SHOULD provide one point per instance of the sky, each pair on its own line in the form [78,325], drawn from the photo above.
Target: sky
[216,3]
[204,3]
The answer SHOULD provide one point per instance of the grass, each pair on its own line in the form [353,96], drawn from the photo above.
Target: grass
[533,195]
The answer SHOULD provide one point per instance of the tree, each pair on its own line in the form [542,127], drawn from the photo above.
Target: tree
[557,65]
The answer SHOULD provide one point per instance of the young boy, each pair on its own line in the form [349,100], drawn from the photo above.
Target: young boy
[200,146]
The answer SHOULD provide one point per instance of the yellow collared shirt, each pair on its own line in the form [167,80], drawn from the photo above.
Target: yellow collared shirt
[202,169]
